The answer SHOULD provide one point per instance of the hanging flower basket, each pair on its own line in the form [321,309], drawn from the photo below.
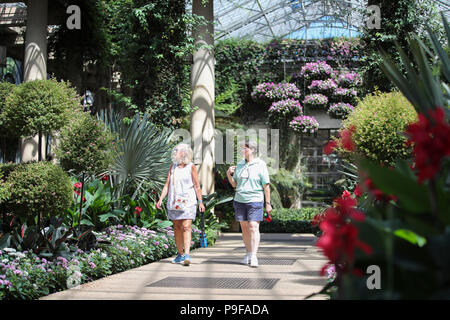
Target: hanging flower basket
[340,110]
[344,95]
[269,92]
[304,125]
[349,80]
[284,109]
[319,70]
[325,87]
[315,101]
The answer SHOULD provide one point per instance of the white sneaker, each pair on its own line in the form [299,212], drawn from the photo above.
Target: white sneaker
[246,259]
[254,262]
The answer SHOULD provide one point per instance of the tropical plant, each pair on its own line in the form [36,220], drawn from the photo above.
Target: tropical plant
[144,155]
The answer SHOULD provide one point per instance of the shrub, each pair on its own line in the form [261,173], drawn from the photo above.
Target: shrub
[380,120]
[291,221]
[38,187]
[288,185]
[39,106]
[85,145]
[284,109]
[304,124]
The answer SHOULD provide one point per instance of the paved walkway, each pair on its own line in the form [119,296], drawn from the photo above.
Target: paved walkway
[288,269]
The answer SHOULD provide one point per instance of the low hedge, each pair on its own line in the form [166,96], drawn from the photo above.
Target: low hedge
[291,221]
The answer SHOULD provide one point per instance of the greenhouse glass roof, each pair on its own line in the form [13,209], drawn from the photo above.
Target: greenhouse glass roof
[262,20]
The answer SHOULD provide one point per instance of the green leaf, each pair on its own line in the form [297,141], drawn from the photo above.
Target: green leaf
[410,236]
[87,222]
[412,196]
[106,216]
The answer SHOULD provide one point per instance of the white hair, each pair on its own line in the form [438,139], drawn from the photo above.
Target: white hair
[187,154]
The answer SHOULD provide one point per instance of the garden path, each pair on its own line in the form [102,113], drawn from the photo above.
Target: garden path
[289,269]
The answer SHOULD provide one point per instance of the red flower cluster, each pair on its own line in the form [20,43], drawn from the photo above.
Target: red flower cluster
[267,217]
[340,237]
[105,178]
[78,185]
[345,141]
[137,211]
[431,139]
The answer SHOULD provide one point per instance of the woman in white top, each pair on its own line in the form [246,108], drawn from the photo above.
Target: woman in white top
[184,189]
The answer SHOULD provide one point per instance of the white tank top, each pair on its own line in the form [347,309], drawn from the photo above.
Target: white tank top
[181,179]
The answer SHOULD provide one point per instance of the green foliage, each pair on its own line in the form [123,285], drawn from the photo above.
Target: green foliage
[149,44]
[85,145]
[226,101]
[398,19]
[38,188]
[291,221]
[380,120]
[288,185]
[5,90]
[39,106]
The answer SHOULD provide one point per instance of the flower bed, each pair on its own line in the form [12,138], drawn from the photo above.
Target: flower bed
[340,110]
[283,109]
[304,124]
[271,92]
[315,101]
[25,276]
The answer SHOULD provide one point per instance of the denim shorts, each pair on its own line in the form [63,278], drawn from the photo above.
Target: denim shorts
[252,211]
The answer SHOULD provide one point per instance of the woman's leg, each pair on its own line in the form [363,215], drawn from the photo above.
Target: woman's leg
[246,235]
[254,236]
[186,227]
[178,234]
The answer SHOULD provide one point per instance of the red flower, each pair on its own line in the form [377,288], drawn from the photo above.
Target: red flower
[329,147]
[77,192]
[78,185]
[105,178]
[137,211]
[22,233]
[346,139]
[346,194]
[84,199]
[431,139]
[269,218]
[358,191]
[340,237]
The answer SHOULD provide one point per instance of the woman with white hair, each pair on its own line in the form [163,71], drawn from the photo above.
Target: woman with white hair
[184,189]
[251,180]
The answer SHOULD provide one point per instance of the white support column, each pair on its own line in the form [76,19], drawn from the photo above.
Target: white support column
[35,62]
[202,86]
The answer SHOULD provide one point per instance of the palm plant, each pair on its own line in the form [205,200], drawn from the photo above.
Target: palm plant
[144,153]
[420,85]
